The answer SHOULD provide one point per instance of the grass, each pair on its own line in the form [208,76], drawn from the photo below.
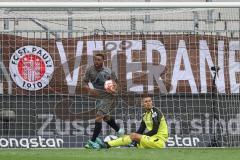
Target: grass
[122,154]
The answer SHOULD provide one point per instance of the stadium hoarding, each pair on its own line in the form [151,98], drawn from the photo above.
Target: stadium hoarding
[70,141]
[31,142]
[153,63]
[37,123]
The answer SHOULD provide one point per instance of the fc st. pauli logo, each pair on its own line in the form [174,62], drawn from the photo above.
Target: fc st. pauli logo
[31,67]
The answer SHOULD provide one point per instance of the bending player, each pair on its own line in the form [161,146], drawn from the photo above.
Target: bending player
[157,130]
[98,75]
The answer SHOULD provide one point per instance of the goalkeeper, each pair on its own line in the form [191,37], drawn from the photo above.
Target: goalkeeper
[156,136]
[106,99]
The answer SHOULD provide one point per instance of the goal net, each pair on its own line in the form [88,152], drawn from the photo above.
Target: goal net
[188,59]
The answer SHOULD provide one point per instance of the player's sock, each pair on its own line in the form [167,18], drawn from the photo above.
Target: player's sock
[97,130]
[113,124]
[123,141]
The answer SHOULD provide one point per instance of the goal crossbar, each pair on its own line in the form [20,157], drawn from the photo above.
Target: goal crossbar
[119,5]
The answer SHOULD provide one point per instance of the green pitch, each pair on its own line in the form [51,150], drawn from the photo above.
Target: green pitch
[122,154]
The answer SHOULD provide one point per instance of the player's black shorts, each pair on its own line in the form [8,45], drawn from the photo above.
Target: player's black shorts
[105,106]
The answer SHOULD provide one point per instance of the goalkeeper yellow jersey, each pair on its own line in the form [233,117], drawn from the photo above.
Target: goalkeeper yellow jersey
[154,122]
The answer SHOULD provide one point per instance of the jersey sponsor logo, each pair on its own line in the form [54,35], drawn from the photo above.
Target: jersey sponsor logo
[31,67]
[154,114]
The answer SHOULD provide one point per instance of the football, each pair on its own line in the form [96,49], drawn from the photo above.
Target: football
[109,138]
[110,86]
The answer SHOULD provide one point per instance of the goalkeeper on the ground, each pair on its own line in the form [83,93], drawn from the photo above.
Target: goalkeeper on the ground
[157,130]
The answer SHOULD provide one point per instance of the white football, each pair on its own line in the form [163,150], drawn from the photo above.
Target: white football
[109,138]
[110,86]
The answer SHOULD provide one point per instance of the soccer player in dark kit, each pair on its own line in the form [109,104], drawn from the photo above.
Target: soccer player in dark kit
[98,74]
